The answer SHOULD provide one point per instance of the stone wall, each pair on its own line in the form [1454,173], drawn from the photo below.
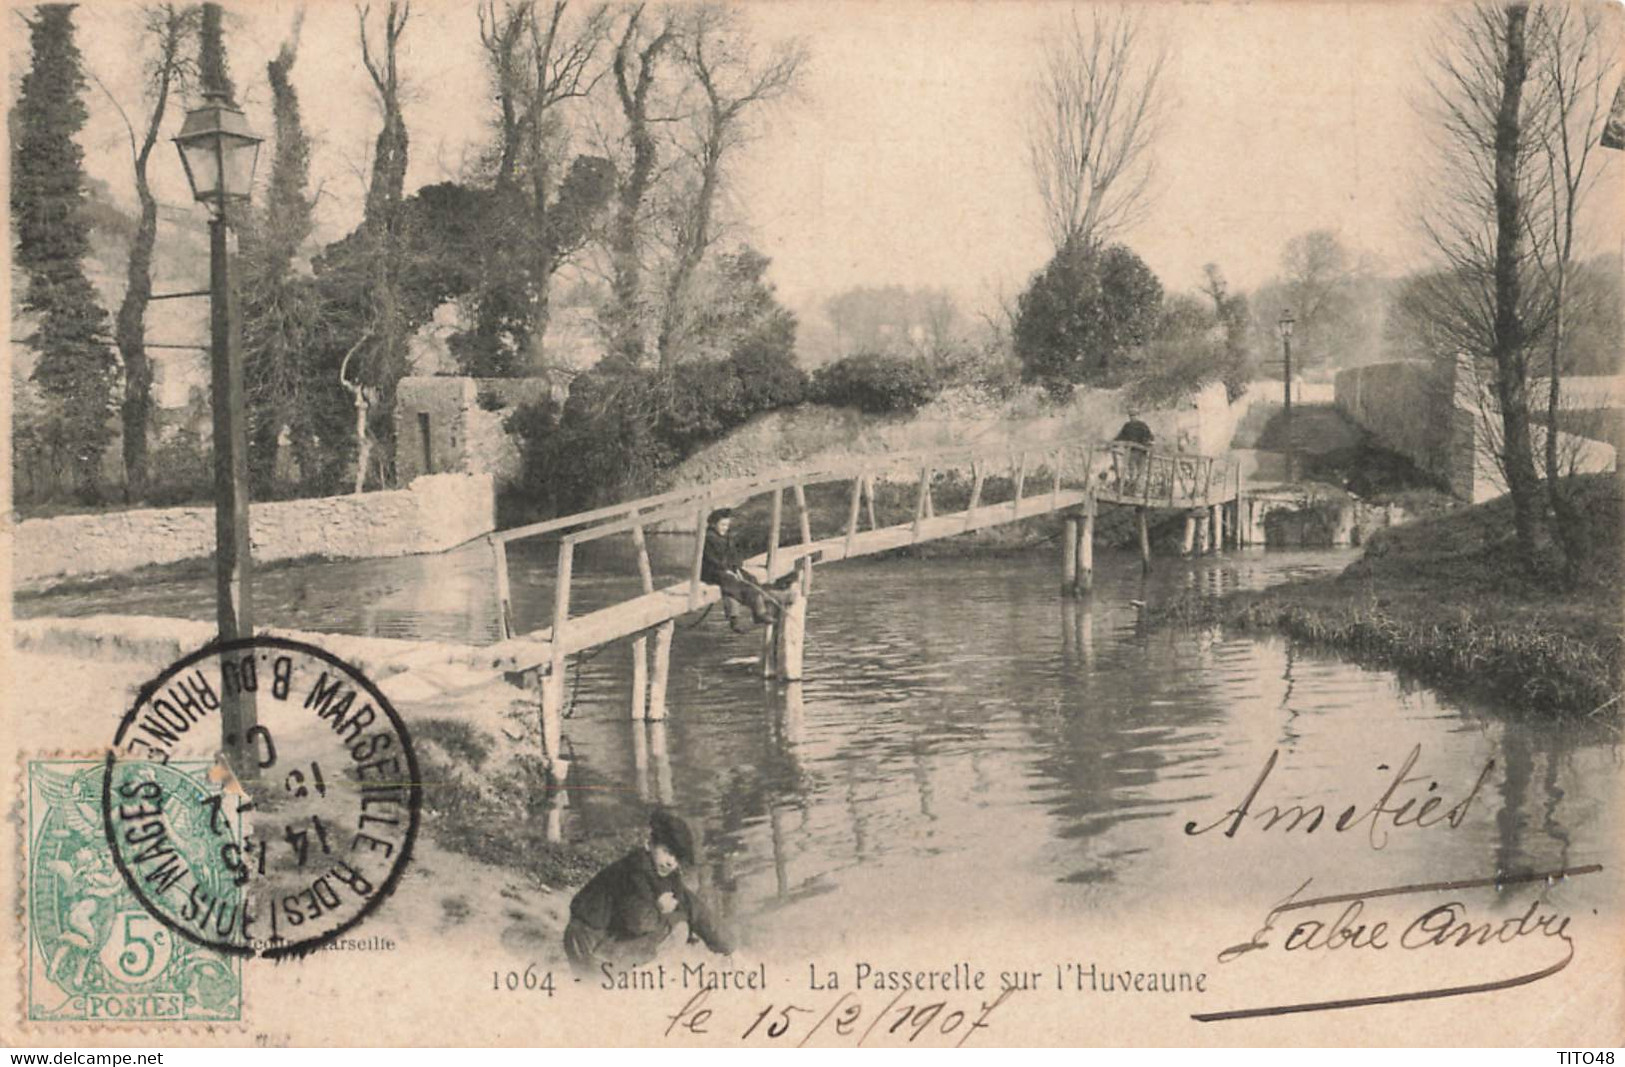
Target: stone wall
[429,432]
[436,512]
[1424,411]
[1409,407]
[464,418]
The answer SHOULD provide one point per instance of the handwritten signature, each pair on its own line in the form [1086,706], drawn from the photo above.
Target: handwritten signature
[1451,923]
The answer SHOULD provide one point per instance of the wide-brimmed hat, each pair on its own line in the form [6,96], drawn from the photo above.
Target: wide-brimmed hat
[667,828]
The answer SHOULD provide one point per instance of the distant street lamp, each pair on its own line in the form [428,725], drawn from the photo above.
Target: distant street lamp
[1284,324]
[219,151]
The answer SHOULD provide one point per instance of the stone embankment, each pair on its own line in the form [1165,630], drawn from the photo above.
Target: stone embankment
[435,512]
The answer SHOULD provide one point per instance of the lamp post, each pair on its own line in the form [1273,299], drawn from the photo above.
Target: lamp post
[219,151]
[1284,324]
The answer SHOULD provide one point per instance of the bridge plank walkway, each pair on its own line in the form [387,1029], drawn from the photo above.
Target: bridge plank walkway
[630,617]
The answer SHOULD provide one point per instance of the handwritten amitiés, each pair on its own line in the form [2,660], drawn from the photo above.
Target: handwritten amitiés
[1408,801]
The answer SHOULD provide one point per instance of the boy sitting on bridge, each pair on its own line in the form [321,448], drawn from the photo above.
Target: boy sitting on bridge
[722,567]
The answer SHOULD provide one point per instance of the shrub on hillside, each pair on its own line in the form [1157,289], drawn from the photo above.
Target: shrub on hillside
[877,384]
[182,471]
[621,427]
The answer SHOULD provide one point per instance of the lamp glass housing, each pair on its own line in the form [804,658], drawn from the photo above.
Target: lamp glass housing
[1284,324]
[219,152]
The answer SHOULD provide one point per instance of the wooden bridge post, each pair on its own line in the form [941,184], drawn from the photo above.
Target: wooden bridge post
[793,624]
[697,564]
[1189,542]
[640,643]
[770,649]
[1021,480]
[922,501]
[1218,527]
[775,517]
[553,684]
[1069,556]
[978,475]
[499,560]
[660,757]
[852,512]
[640,677]
[1145,538]
[660,671]
[770,632]
[802,514]
[1086,549]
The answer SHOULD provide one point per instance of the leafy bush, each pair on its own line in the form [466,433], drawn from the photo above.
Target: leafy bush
[622,427]
[877,384]
[1083,315]
[182,471]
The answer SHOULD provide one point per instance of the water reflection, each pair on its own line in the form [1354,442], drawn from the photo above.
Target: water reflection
[948,728]
[968,742]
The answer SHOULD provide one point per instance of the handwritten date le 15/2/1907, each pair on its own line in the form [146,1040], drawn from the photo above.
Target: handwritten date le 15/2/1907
[848,1018]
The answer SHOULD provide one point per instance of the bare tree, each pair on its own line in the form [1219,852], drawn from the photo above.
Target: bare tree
[1098,105]
[1319,275]
[731,86]
[1214,286]
[1572,66]
[540,59]
[387,186]
[638,55]
[503,38]
[171,67]
[1479,222]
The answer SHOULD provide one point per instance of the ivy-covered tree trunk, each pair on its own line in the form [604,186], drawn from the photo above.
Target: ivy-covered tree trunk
[634,72]
[168,27]
[76,366]
[281,311]
[373,389]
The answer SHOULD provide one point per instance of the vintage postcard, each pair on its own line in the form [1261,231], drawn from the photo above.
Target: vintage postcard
[776,524]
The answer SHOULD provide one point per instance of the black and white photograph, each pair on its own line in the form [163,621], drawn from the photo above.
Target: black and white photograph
[948,523]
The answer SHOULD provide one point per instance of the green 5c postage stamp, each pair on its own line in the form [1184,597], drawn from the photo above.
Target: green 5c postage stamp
[95,954]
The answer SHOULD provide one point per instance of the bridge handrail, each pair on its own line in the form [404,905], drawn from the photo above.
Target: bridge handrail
[751,485]
[678,505]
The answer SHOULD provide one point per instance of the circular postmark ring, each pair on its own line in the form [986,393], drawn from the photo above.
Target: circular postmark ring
[132,802]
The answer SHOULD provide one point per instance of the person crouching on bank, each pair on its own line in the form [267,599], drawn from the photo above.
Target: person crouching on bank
[638,907]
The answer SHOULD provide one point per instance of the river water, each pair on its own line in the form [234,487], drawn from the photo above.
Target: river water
[969,746]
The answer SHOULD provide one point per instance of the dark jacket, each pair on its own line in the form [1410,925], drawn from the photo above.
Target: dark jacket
[1135,432]
[619,903]
[720,556]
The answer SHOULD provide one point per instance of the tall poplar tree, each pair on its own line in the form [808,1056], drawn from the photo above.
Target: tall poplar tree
[76,366]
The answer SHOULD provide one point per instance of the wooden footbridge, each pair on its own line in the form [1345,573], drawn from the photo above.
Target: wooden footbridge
[1071,478]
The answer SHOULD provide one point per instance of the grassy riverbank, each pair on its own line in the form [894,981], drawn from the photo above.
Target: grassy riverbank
[1447,599]
[497,813]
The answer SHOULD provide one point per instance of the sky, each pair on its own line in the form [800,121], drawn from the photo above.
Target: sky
[903,158]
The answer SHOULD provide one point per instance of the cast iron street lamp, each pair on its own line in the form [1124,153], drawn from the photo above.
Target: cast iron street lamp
[219,150]
[1284,324]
